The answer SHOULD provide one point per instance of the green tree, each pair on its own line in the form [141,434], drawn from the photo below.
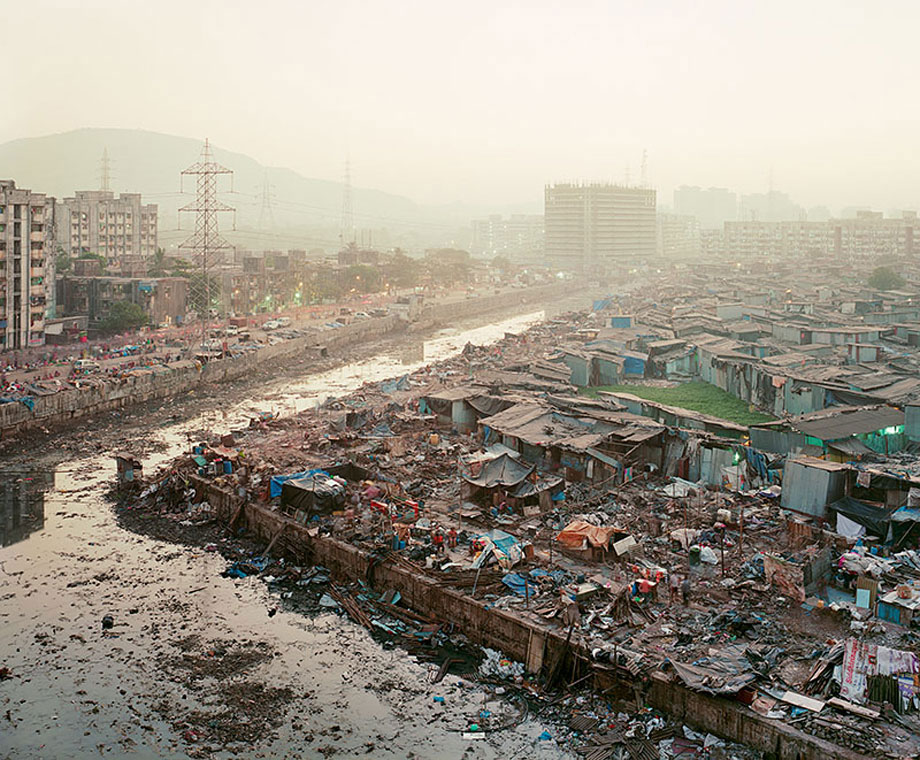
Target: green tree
[502,263]
[62,263]
[885,278]
[363,278]
[124,315]
[404,270]
[157,267]
[103,261]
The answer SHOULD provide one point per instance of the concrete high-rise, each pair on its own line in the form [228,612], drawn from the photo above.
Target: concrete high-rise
[122,229]
[594,227]
[26,237]
[519,236]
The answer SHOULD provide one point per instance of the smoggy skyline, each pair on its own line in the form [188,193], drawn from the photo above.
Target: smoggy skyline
[486,102]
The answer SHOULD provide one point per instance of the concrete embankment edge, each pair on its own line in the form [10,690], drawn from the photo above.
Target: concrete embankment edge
[67,406]
[523,640]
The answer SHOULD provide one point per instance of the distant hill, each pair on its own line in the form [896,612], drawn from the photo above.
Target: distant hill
[306,211]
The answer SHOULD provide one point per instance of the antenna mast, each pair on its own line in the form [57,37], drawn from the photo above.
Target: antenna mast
[105,174]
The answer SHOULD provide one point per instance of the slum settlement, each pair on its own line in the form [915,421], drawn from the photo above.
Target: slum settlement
[755,579]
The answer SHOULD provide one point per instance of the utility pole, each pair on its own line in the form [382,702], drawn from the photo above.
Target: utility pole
[105,171]
[205,246]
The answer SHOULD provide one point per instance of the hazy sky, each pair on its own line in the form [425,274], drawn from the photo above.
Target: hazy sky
[486,100]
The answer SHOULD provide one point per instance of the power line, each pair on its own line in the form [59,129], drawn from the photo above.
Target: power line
[205,245]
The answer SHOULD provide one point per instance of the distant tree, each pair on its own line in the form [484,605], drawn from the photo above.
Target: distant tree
[324,285]
[502,263]
[103,261]
[124,315]
[885,278]
[157,267]
[363,278]
[404,270]
[62,263]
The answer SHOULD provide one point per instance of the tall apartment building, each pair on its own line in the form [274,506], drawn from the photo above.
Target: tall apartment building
[593,227]
[678,237]
[713,206]
[754,240]
[519,236]
[865,237]
[122,229]
[26,237]
[870,235]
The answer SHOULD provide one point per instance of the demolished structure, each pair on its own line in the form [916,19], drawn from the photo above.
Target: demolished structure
[761,584]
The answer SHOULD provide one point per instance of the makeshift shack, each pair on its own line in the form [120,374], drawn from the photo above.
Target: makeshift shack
[810,484]
[303,498]
[496,480]
[593,542]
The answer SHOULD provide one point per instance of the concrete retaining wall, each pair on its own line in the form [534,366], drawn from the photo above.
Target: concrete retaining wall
[163,382]
[525,641]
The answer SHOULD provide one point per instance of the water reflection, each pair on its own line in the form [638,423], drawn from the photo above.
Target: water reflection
[22,503]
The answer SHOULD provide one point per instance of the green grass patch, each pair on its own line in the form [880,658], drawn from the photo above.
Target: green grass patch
[698,396]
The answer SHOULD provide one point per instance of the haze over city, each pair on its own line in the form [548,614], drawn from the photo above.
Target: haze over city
[486,380]
[485,102]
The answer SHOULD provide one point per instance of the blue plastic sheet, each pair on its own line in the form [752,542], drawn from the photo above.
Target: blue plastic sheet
[278,480]
[516,583]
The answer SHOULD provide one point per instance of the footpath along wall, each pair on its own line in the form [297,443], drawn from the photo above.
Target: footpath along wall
[536,646]
[160,382]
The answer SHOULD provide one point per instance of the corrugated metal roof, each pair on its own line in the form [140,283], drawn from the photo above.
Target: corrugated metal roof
[845,422]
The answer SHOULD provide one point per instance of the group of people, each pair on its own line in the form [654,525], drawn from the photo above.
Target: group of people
[438,538]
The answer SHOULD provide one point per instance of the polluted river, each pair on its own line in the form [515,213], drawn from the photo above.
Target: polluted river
[181,640]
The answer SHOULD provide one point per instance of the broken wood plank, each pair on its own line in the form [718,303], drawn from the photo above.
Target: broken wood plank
[863,712]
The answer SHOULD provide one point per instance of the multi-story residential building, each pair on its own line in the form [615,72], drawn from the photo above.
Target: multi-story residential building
[755,240]
[713,206]
[712,244]
[870,235]
[26,237]
[519,236]
[678,236]
[596,227]
[122,229]
[867,236]
[163,299]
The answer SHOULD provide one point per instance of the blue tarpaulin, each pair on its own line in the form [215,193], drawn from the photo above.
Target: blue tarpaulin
[396,384]
[27,400]
[516,583]
[278,480]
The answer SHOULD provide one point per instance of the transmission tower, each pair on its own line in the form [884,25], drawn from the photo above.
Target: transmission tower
[205,247]
[105,171]
[347,232]
[267,201]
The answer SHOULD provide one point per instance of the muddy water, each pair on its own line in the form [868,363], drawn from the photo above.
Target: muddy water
[80,691]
